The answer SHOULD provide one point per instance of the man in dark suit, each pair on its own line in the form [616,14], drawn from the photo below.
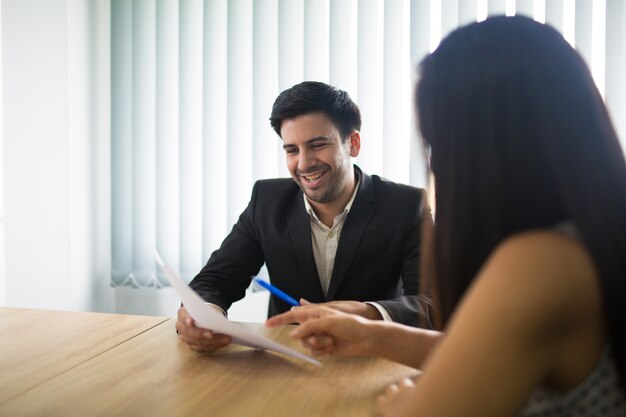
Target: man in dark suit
[330,234]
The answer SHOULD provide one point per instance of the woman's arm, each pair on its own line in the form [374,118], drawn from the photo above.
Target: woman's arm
[327,331]
[532,317]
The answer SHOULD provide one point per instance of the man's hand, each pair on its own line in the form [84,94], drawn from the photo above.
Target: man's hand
[352,307]
[198,339]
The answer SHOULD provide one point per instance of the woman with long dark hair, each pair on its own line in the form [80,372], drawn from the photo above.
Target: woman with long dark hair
[529,239]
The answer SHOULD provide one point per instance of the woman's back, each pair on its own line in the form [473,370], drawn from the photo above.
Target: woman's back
[532,318]
[598,394]
[519,141]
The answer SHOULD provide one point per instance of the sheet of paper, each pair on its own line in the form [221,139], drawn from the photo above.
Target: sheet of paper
[208,318]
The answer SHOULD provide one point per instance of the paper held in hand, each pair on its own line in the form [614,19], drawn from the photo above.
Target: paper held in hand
[208,318]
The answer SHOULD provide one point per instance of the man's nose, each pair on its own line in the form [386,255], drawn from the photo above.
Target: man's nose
[306,160]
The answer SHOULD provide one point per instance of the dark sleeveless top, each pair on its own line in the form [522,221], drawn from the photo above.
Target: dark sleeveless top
[599,395]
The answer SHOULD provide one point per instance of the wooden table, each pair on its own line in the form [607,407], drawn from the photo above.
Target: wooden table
[142,369]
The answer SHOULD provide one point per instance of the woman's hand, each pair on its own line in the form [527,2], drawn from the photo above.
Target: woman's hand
[395,400]
[327,331]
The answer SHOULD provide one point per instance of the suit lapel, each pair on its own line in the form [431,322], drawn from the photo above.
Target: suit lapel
[300,230]
[356,222]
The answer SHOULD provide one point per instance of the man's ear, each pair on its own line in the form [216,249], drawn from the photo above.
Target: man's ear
[354,140]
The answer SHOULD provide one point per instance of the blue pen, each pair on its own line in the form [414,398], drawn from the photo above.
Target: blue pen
[278,293]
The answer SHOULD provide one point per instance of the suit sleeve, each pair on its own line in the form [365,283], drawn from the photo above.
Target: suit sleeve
[414,308]
[228,273]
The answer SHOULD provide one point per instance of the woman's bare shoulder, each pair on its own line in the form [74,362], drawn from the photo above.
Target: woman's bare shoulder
[547,277]
[549,259]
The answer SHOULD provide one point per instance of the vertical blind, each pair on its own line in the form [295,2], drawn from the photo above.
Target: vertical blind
[193,82]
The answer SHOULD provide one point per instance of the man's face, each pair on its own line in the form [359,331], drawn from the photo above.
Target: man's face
[317,159]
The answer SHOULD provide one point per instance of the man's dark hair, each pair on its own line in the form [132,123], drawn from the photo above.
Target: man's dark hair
[316,97]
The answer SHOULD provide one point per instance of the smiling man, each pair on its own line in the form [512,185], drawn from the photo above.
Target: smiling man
[330,234]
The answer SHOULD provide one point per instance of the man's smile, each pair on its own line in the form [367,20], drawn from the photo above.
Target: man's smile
[315,178]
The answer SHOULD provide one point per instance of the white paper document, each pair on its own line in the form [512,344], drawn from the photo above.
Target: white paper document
[208,318]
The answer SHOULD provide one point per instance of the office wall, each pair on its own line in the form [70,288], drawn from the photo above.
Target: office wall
[56,165]
[55,217]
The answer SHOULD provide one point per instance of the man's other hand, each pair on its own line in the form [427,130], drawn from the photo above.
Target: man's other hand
[198,339]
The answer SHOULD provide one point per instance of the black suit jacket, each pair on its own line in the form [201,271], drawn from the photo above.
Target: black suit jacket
[377,256]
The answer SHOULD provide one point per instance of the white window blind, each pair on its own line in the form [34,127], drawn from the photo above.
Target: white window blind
[2,253]
[193,82]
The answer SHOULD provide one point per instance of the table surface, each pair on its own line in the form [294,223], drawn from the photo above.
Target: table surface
[90,364]
[38,345]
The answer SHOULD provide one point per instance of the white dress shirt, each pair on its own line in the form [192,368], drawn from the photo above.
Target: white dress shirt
[325,240]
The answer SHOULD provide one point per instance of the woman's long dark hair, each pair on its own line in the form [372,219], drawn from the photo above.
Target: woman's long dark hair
[520,139]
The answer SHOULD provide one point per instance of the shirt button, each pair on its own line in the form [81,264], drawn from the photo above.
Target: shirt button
[331,235]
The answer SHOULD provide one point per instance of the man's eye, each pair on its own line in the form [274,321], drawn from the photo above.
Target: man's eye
[317,146]
[291,151]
